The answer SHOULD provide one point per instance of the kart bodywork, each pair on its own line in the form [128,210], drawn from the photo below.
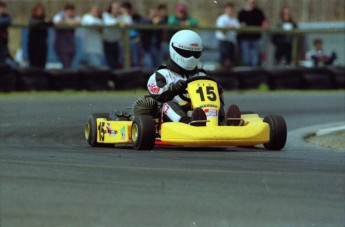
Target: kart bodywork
[145,131]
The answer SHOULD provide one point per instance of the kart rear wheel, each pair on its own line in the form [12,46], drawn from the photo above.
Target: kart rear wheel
[91,130]
[143,132]
[278,132]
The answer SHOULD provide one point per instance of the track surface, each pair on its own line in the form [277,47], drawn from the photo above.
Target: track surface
[50,177]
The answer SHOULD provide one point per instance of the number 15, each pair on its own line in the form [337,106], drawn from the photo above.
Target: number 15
[209,92]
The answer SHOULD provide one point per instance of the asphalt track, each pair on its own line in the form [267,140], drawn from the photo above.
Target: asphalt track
[50,177]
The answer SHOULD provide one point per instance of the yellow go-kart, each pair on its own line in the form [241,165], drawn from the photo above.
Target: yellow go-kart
[146,130]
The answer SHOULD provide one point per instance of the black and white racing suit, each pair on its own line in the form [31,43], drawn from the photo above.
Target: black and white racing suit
[160,88]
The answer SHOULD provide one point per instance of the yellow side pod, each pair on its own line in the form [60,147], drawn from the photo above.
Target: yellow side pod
[254,132]
[117,132]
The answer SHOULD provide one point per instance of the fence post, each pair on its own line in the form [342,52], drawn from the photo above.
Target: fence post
[127,48]
[295,49]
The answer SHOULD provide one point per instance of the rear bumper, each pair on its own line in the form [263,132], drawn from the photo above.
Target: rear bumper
[252,134]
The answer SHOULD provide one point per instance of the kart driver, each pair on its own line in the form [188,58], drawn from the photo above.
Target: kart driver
[169,81]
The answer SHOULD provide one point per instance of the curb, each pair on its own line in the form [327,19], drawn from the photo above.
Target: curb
[297,137]
[327,131]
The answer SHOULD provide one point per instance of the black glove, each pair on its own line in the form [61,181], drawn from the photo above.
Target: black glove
[179,86]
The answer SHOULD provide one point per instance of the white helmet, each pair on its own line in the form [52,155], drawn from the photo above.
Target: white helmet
[185,49]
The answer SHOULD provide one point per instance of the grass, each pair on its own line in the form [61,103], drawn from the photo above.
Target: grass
[73,93]
[262,89]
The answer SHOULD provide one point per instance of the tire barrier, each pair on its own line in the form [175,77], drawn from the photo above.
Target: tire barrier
[338,77]
[131,78]
[251,78]
[34,79]
[316,78]
[96,79]
[284,78]
[8,80]
[31,79]
[227,79]
[64,79]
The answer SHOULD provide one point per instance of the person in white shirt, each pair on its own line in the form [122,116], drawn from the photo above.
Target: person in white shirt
[319,56]
[112,36]
[92,40]
[283,43]
[227,40]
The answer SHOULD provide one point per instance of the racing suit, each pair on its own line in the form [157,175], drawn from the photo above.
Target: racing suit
[161,88]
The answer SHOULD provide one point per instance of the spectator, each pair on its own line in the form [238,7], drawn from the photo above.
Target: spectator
[92,40]
[181,16]
[135,41]
[112,36]
[5,21]
[283,43]
[251,16]
[64,43]
[319,55]
[37,38]
[227,40]
[151,41]
[163,14]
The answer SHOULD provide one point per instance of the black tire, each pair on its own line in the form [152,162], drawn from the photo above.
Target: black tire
[91,130]
[278,132]
[143,132]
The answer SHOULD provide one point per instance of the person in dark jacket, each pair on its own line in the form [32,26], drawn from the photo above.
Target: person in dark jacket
[5,21]
[64,44]
[251,15]
[38,34]
[135,40]
[283,43]
[151,41]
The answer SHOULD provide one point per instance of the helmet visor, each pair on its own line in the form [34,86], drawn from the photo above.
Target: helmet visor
[187,53]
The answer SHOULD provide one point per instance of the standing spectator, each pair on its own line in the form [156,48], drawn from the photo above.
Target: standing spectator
[227,40]
[135,41]
[283,43]
[112,36]
[163,14]
[319,55]
[37,38]
[64,43]
[92,41]
[5,21]
[251,16]
[151,41]
[181,16]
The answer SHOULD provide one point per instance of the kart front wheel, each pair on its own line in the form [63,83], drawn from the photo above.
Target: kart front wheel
[278,132]
[143,132]
[91,130]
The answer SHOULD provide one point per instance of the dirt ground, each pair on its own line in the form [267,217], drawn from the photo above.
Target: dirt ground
[334,140]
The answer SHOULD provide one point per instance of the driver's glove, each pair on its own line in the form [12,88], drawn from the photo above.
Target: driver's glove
[179,86]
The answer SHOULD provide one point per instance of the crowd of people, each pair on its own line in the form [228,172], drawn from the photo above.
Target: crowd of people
[148,48]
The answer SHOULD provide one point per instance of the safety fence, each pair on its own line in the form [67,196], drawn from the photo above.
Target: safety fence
[33,79]
[295,77]
[297,35]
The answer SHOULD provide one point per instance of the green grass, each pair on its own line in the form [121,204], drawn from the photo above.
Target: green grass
[262,89]
[73,93]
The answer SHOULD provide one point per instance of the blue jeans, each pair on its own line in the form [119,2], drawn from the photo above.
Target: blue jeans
[111,52]
[250,52]
[95,60]
[135,52]
[153,58]
[3,52]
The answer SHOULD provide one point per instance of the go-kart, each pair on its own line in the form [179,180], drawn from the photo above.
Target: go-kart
[146,129]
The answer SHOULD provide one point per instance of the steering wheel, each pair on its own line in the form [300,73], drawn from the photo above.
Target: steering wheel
[184,98]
